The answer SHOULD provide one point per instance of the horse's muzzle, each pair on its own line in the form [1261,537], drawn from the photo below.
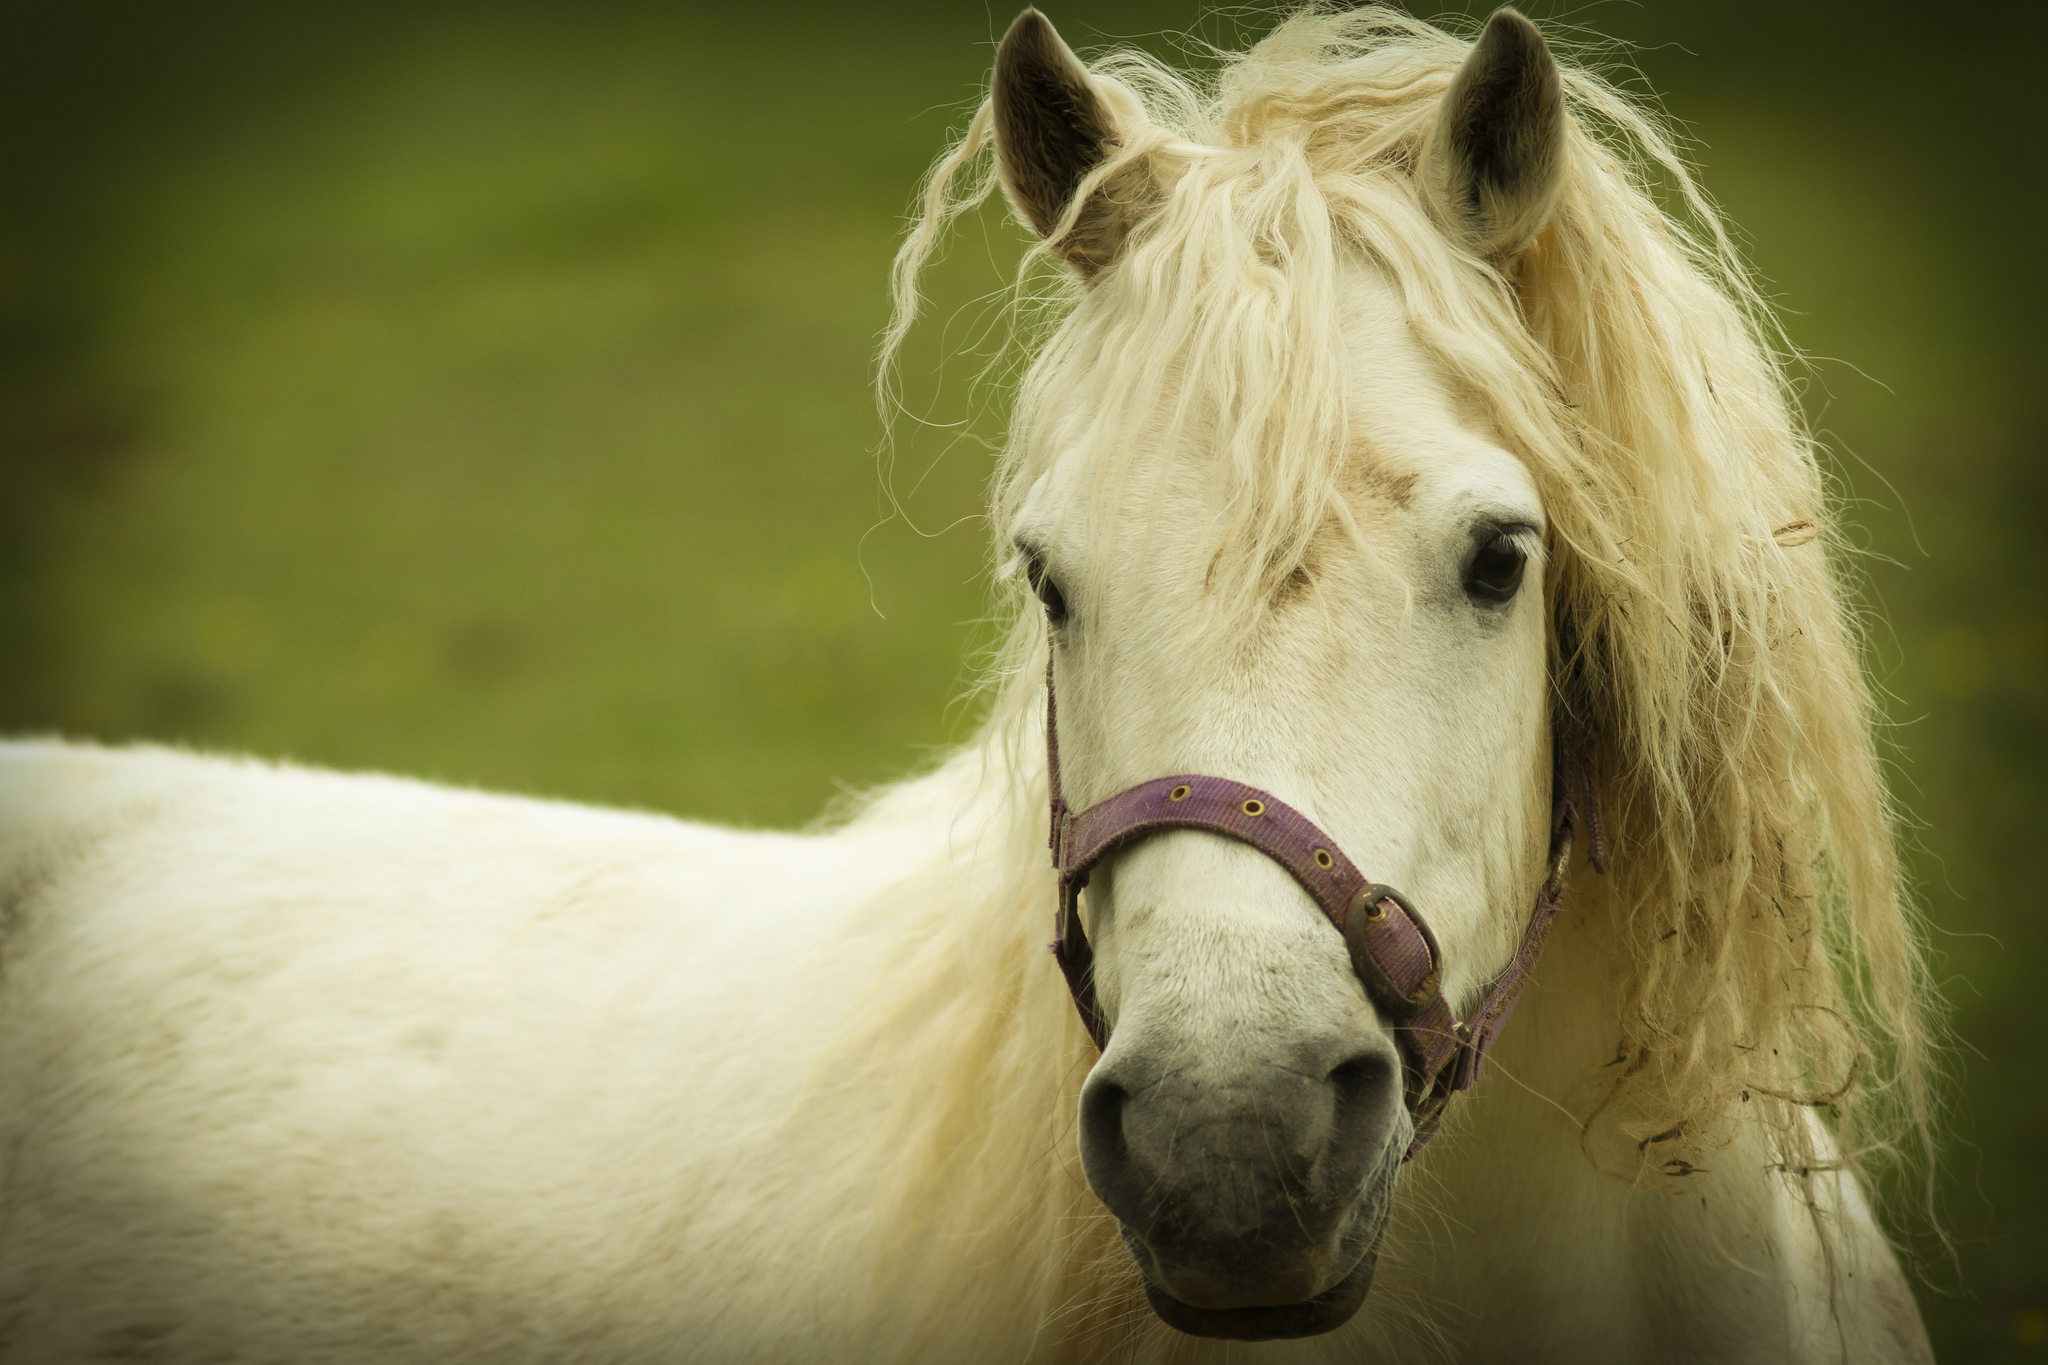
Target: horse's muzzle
[1253,1197]
[1308,1317]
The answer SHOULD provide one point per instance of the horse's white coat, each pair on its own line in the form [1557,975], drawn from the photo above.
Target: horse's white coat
[304,1067]
[1408,721]
[299,1067]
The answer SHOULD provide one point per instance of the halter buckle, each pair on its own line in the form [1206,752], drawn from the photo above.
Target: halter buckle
[1560,862]
[1360,923]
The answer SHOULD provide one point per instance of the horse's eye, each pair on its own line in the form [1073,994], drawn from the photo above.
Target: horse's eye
[1047,590]
[1497,569]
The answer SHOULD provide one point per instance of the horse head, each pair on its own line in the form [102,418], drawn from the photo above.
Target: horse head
[1275,540]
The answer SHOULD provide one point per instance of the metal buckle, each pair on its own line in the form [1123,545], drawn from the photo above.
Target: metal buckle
[1560,863]
[1401,1004]
[1459,1070]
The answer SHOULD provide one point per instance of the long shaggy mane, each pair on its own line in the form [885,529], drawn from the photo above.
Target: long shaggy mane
[1702,632]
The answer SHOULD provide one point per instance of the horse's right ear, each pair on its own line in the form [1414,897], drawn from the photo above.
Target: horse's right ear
[1052,128]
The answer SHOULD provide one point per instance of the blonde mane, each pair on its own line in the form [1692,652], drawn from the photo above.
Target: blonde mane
[1701,626]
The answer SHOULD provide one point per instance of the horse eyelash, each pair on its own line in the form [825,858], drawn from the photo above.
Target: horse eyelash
[1526,539]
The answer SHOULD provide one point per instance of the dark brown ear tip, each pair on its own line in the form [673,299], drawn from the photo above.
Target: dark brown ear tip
[1511,51]
[1509,33]
[1030,30]
[1032,44]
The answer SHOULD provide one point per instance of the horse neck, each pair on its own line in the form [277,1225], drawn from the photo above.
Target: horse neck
[972,1038]
[1552,1130]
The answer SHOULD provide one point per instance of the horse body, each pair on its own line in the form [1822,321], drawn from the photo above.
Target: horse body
[304,1067]
[301,1067]
[469,1074]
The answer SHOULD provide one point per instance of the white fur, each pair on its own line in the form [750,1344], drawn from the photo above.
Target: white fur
[299,1067]
[1408,723]
[303,1067]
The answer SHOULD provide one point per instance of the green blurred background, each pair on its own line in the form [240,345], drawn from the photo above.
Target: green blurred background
[481,392]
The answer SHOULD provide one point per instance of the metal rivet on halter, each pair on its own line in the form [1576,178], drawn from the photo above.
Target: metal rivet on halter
[1324,860]
[1179,793]
[1254,807]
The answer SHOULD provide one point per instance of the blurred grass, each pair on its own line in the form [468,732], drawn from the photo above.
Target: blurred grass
[480,392]
[495,407]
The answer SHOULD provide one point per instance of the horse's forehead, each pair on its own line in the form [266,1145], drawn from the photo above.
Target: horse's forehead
[1417,439]
[1417,442]
[1393,384]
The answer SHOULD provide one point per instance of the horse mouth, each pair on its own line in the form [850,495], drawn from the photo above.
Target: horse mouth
[1325,1312]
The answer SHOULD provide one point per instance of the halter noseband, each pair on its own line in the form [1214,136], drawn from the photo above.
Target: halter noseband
[1392,949]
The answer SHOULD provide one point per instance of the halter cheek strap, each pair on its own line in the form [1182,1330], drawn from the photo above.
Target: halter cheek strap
[1393,952]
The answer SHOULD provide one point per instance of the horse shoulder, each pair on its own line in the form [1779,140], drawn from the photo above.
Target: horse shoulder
[1747,1260]
[1547,1234]
[1855,1301]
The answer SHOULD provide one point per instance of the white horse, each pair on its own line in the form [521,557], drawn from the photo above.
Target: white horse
[1379,419]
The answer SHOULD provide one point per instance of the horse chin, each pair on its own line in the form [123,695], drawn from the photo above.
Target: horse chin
[1325,1312]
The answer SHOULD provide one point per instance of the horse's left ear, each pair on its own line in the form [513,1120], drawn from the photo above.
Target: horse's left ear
[1493,164]
[1053,127]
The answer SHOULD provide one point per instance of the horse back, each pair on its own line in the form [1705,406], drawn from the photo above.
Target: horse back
[291,1060]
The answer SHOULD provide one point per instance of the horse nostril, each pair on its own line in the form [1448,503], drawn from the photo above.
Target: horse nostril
[1106,1158]
[1102,1118]
[1362,1079]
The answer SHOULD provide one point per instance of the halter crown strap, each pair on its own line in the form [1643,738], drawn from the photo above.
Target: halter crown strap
[1393,952]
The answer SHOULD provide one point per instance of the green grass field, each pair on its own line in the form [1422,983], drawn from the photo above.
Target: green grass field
[482,393]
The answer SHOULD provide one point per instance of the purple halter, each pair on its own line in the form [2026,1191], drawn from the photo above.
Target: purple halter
[1392,949]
